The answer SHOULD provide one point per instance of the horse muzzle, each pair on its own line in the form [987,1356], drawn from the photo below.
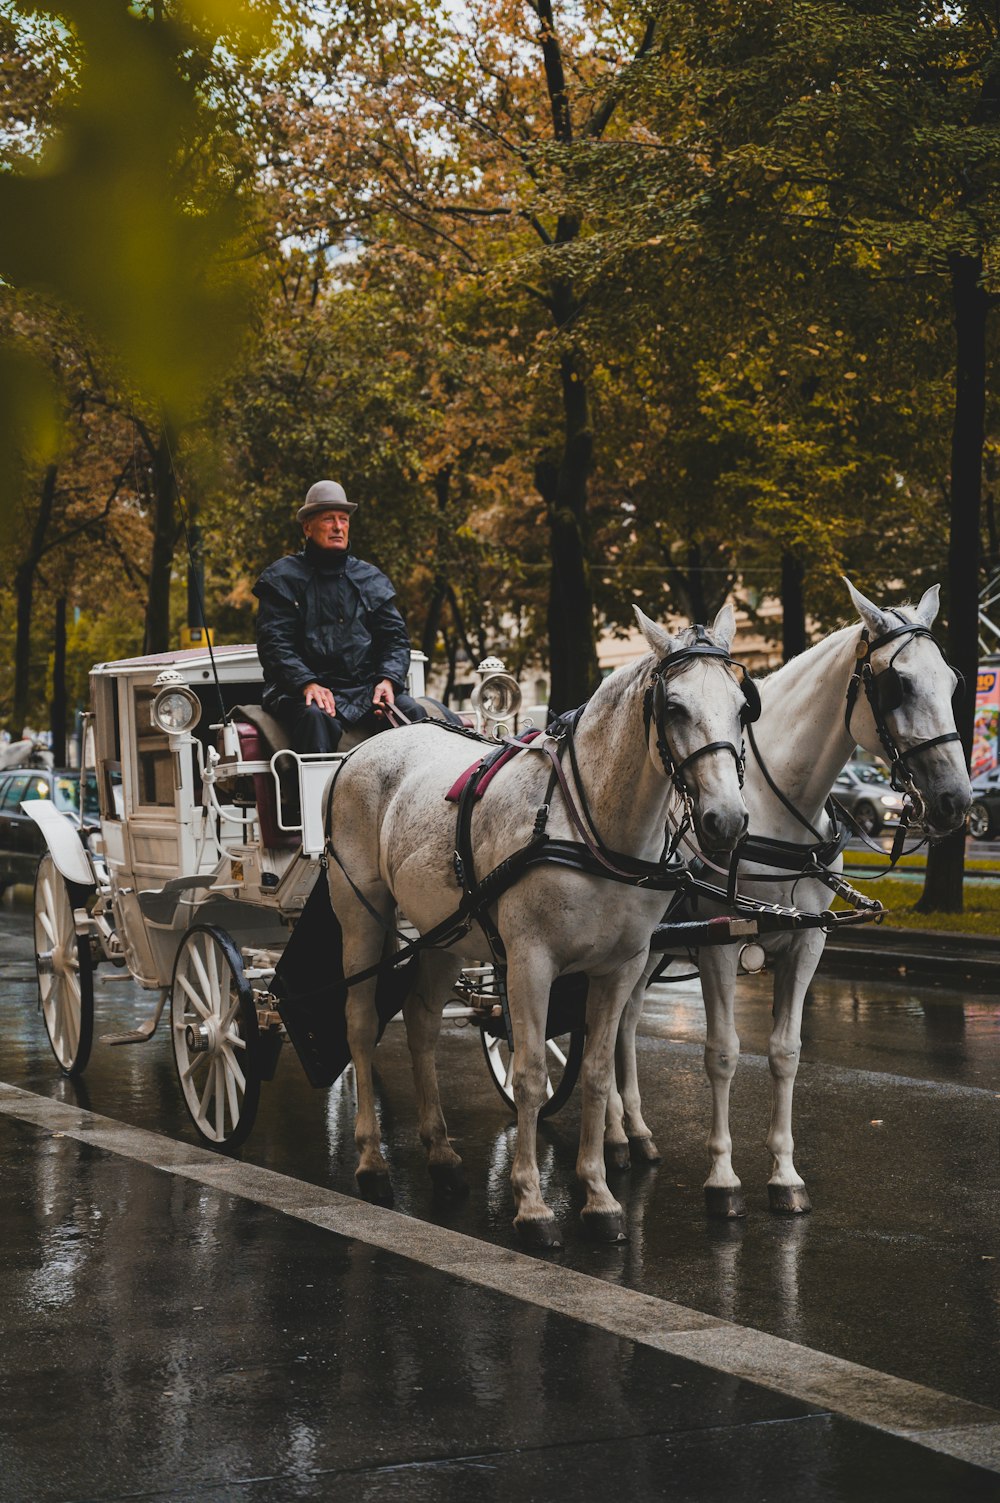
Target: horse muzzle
[721,829]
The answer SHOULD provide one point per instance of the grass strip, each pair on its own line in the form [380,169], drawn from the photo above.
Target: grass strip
[981,916]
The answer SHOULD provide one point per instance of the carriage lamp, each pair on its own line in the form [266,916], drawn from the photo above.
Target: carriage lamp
[497,696]
[176,709]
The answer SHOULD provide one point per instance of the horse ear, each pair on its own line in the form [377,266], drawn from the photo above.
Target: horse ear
[876,621]
[930,603]
[724,626]
[658,638]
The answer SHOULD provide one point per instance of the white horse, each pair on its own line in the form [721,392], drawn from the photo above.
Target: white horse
[808,729]
[677,712]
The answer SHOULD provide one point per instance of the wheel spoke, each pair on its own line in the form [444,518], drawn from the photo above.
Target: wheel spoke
[196,1001]
[206,985]
[46,924]
[212,960]
[71,1021]
[556,1052]
[234,1102]
[233,1064]
[509,1075]
[196,1060]
[206,1093]
[231,1011]
[220,1098]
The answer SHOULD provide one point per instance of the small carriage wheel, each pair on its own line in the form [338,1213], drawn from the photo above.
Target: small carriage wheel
[65,969]
[213,1024]
[979,821]
[867,818]
[563,1055]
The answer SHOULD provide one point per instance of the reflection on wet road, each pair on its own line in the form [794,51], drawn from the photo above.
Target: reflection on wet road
[896,1126]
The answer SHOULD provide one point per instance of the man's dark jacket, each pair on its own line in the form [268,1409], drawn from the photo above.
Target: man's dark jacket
[329,619]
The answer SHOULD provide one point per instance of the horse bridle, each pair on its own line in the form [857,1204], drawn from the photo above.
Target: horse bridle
[654,709]
[884,692]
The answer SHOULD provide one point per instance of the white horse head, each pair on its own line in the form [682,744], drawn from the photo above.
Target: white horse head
[910,690]
[699,708]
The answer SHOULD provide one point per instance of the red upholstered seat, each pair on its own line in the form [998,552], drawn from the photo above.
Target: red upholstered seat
[254,748]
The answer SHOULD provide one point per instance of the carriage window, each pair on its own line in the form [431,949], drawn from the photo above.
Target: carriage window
[14,792]
[106,752]
[154,759]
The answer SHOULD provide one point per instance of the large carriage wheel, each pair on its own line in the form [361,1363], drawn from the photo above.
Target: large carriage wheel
[213,1024]
[65,969]
[563,1055]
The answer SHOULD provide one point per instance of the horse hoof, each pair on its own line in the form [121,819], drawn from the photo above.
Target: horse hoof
[788,1200]
[616,1156]
[604,1226]
[644,1151]
[724,1203]
[539,1235]
[375,1186]
[449,1179]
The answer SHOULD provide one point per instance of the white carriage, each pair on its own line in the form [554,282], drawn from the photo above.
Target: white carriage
[210,844]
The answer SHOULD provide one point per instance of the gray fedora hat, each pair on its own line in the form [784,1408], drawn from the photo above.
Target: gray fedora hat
[325,495]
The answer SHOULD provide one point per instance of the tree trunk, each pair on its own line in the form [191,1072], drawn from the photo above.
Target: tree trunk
[24,587]
[562,485]
[157,633]
[946,861]
[428,641]
[793,610]
[58,709]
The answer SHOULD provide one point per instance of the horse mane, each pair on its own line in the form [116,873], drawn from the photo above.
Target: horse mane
[618,684]
[788,673]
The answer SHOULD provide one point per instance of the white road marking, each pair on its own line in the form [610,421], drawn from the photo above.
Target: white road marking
[938,1421]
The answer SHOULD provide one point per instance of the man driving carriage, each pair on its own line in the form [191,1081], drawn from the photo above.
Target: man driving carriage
[333,646]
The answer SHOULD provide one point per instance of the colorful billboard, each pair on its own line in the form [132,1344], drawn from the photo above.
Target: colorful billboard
[986,730]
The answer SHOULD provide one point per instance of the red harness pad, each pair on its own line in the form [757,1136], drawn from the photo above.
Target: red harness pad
[455,791]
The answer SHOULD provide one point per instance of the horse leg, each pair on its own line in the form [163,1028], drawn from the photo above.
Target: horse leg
[363,943]
[422,1015]
[642,1149]
[602,1215]
[793,970]
[718,966]
[529,981]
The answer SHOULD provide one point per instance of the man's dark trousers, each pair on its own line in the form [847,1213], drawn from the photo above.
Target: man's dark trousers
[313,730]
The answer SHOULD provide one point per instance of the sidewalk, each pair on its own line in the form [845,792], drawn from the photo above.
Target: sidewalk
[933,954]
[178,1326]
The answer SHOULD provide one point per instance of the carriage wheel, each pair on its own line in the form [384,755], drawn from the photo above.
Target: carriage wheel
[65,970]
[213,1023]
[563,1055]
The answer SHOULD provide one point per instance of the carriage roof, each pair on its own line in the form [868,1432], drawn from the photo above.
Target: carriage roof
[192,663]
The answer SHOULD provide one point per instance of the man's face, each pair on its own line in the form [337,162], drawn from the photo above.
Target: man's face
[328,529]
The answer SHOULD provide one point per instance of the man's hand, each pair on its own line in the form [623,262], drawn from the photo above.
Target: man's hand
[383,695]
[315,694]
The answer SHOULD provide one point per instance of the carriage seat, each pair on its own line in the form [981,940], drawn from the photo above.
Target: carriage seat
[260,736]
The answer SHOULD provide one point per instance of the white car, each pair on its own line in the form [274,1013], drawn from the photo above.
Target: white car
[865,792]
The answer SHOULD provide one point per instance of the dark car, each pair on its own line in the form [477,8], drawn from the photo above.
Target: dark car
[865,791]
[984,816]
[22,843]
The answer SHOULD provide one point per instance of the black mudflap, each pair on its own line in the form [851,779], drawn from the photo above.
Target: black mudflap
[312,998]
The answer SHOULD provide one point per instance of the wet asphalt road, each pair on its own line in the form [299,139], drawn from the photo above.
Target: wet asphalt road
[898,1267]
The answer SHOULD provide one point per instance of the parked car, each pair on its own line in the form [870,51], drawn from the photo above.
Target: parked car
[984,816]
[22,843]
[865,792]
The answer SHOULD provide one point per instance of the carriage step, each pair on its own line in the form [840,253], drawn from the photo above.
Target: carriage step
[139,1036]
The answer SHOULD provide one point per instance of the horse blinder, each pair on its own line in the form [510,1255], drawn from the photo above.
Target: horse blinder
[751,700]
